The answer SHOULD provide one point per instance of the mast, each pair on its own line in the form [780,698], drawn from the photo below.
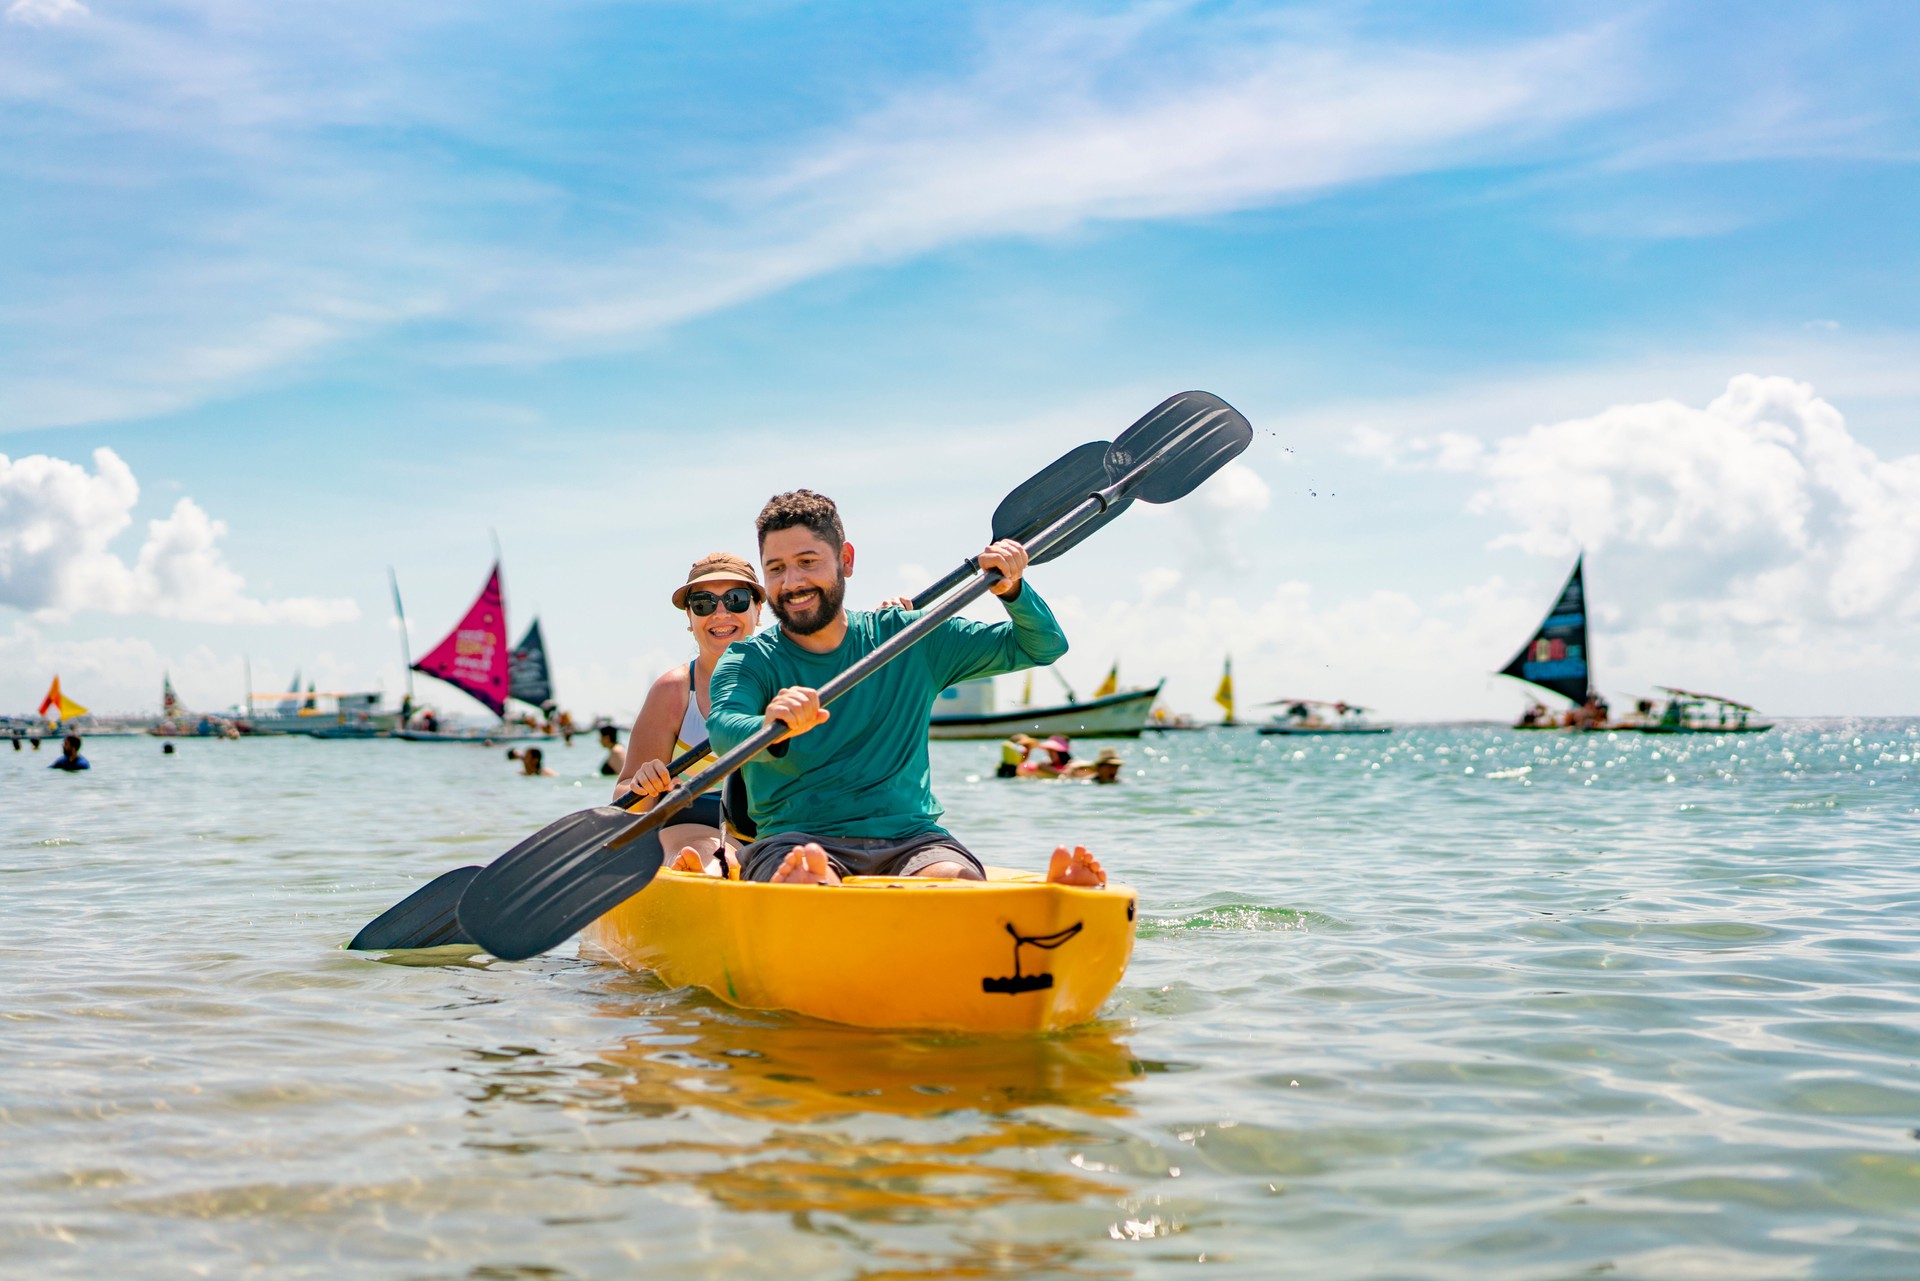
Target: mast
[406,657]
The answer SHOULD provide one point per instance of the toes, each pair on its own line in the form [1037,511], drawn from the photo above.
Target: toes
[807,865]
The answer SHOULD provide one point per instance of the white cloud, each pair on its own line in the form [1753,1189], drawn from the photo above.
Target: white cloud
[46,13]
[1759,515]
[1764,489]
[57,523]
[1238,487]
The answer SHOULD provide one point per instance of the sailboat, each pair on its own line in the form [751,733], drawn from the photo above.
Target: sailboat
[527,679]
[177,722]
[1556,659]
[1691,712]
[1317,716]
[1164,720]
[474,659]
[966,711]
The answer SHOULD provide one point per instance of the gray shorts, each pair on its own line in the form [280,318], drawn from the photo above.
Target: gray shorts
[858,855]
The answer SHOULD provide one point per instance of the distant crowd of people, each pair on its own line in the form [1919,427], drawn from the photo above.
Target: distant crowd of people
[1057,761]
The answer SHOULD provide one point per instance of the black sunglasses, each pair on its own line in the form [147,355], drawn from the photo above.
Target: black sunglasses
[738,600]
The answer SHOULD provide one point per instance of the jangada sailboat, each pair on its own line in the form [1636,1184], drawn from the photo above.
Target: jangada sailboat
[474,659]
[1556,659]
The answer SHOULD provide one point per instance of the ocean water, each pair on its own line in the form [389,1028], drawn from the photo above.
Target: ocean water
[1450,1003]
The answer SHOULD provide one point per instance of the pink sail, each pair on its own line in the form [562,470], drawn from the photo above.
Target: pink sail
[474,654]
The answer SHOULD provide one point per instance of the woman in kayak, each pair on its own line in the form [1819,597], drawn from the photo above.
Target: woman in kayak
[722,598]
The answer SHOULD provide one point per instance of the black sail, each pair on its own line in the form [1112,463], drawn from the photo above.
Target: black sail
[1556,658]
[527,678]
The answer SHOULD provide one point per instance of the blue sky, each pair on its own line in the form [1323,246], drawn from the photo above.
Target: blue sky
[359,286]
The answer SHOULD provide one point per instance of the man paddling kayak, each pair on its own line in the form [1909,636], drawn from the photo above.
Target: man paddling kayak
[847,791]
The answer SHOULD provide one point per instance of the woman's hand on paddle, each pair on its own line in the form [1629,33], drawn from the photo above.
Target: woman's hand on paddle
[798,708]
[650,779]
[1010,558]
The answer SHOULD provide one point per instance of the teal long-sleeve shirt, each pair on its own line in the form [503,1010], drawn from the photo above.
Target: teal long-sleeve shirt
[864,771]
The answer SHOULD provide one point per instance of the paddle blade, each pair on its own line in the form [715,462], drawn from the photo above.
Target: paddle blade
[428,917]
[1204,432]
[538,893]
[1053,491]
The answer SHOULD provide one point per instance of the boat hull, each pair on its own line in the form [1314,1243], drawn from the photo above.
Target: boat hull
[1115,716]
[483,738]
[1755,727]
[1323,731]
[1009,954]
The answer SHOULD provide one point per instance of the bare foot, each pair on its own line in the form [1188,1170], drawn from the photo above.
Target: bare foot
[1077,868]
[806,865]
[688,860]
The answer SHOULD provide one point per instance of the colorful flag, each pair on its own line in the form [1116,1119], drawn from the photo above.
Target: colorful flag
[1111,684]
[1224,695]
[169,701]
[63,707]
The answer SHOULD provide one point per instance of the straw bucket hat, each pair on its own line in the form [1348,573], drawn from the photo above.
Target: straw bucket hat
[718,567]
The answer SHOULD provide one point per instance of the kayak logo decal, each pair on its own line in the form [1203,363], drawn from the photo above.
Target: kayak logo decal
[1019,982]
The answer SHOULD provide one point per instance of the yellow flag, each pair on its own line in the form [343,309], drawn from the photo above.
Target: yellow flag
[63,707]
[1224,695]
[1109,685]
[1026,698]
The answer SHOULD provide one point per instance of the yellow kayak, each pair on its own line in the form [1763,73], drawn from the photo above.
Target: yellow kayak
[1013,953]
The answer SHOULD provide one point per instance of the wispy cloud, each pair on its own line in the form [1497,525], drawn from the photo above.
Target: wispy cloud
[300,185]
[215,196]
[1099,121]
[46,13]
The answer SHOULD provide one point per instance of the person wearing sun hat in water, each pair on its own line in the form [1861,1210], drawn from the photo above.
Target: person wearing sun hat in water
[1058,761]
[721,599]
[1103,768]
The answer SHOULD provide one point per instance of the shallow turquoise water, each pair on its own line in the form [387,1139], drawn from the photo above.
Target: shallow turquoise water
[1452,1003]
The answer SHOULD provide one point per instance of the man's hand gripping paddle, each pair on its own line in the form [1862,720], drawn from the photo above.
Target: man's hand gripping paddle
[429,916]
[540,892]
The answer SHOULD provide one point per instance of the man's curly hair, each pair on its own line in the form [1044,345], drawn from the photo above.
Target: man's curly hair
[802,507]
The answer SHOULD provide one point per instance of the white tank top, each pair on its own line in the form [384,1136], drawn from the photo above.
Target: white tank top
[693,726]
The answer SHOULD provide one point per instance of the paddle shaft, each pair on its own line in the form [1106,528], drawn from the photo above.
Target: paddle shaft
[1093,505]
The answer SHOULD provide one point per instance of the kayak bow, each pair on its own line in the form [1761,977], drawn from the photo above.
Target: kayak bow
[1013,953]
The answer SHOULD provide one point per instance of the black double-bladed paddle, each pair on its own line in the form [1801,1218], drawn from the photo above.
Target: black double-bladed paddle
[540,892]
[427,917]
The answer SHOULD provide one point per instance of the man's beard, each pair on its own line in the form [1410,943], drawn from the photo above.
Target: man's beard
[825,610]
